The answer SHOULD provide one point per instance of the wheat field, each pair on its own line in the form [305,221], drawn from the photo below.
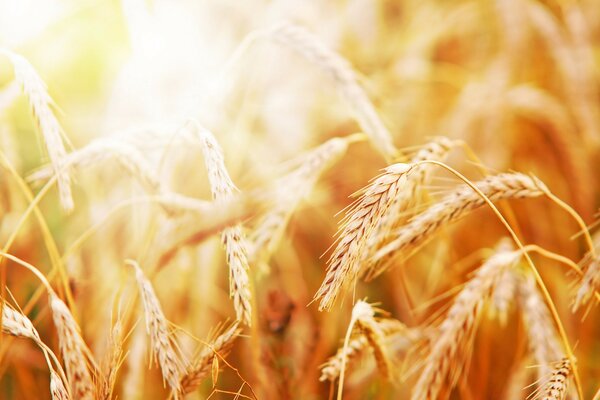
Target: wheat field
[345,199]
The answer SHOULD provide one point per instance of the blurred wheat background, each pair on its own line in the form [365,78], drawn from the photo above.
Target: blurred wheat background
[173,174]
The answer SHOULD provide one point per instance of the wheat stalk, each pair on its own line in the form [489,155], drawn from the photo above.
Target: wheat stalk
[73,349]
[341,71]
[454,206]
[157,328]
[452,345]
[200,369]
[361,219]
[40,101]
[222,189]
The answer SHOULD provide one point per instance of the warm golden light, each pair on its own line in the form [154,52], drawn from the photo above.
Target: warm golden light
[299,199]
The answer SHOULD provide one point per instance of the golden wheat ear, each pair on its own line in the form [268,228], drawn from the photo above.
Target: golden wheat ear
[233,239]
[40,101]
[359,223]
[162,344]
[74,352]
[454,206]
[451,346]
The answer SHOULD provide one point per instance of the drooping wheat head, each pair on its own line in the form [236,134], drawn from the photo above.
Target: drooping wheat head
[455,205]
[452,345]
[233,239]
[163,349]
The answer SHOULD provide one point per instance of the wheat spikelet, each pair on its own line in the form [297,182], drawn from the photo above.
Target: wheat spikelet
[57,388]
[590,282]
[40,102]
[200,369]
[457,204]
[452,344]
[291,190]
[157,328]
[544,342]
[73,349]
[503,296]
[436,150]
[556,387]
[233,239]
[355,228]
[340,70]
[16,324]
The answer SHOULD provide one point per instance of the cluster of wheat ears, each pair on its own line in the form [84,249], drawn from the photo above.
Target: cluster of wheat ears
[468,291]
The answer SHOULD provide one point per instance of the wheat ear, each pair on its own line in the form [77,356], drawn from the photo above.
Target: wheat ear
[455,205]
[452,344]
[394,332]
[100,150]
[544,342]
[504,296]
[556,387]
[16,324]
[58,391]
[355,229]
[73,349]
[346,79]
[590,282]
[436,150]
[106,385]
[200,369]
[236,248]
[157,328]
[40,101]
[290,191]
